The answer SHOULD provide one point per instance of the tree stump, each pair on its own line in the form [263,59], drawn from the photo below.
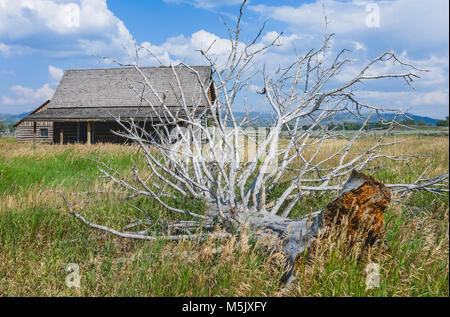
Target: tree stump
[363,200]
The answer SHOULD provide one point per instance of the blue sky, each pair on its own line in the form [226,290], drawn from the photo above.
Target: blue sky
[41,38]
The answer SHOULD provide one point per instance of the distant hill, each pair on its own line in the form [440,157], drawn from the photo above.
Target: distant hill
[428,120]
[263,119]
[12,118]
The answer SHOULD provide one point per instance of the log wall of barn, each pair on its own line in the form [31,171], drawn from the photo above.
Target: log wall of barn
[101,132]
[25,131]
[73,132]
[70,132]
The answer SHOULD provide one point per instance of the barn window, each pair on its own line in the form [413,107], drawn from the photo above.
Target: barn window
[44,133]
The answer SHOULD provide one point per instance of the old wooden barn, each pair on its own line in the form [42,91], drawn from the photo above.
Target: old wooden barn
[87,102]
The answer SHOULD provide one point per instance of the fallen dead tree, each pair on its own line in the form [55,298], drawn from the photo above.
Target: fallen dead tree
[206,161]
[363,200]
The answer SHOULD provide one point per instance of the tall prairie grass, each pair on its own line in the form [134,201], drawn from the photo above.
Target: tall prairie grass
[39,238]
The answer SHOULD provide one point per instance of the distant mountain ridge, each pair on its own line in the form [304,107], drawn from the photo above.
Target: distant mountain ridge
[12,118]
[263,118]
[428,120]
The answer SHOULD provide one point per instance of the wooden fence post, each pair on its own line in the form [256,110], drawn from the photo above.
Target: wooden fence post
[395,144]
[88,133]
[34,132]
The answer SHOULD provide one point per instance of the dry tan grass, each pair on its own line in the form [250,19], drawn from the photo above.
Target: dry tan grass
[414,264]
[38,238]
[13,150]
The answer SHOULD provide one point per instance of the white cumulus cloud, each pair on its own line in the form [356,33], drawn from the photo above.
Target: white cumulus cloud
[427,103]
[399,20]
[5,50]
[64,28]
[55,73]
[206,4]
[21,99]
[436,97]
[26,96]
[180,48]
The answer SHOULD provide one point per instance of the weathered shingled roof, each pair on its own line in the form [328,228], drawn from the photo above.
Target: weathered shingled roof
[109,113]
[103,93]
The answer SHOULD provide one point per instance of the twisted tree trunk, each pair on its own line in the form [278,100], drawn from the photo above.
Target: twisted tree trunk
[363,200]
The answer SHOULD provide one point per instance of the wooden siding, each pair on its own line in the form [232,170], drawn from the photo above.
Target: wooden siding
[70,132]
[25,131]
[74,132]
[101,132]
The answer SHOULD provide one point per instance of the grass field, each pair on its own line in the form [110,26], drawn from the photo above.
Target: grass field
[39,238]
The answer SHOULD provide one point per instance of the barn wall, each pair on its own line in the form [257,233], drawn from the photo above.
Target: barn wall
[25,131]
[101,132]
[74,132]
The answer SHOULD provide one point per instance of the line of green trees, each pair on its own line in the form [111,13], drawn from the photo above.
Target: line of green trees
[348,126]
[413,122]
[376,125]
[442,123]
[7,127]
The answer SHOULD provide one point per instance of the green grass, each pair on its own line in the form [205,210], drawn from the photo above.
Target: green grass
[63,168]
[38,237]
